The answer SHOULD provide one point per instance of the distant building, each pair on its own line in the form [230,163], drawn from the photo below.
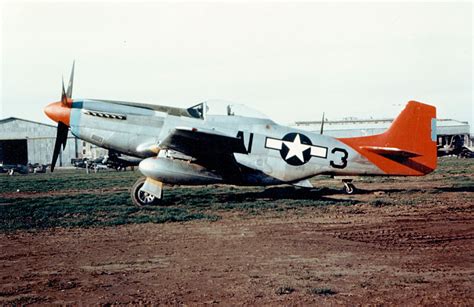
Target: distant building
[91,151]
[448,130]
[23,141]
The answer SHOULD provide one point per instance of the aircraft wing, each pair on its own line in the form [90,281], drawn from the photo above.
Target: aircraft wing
[211,148]
[199,142]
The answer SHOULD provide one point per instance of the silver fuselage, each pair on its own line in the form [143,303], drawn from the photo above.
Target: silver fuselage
[128,127]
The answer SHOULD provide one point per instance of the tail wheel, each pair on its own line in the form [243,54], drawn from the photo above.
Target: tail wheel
[349,188]
[141,198]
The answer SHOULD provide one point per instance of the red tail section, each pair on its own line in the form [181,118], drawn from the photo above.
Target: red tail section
[408,147]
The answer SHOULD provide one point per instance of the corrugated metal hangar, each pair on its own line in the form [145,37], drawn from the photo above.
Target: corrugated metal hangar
[23,141]
[448,130]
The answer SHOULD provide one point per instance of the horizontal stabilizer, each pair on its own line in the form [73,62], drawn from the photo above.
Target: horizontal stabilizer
[391,151]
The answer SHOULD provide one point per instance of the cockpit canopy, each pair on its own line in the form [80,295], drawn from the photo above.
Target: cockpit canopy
[223,108]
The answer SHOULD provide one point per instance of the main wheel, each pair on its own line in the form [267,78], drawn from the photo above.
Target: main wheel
[141,198]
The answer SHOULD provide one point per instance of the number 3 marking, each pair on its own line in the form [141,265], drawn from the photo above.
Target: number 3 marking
[343,158]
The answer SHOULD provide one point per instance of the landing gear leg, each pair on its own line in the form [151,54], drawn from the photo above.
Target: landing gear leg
[141,198]
[349,188]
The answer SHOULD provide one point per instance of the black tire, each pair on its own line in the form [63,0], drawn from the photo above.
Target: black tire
[140,198]
[465,153]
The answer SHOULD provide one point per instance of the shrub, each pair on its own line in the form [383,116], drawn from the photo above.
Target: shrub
[321,291]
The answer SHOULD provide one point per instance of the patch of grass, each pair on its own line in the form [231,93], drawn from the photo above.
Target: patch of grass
[97,206]
[450,165]
[414,280]
[251,200]
[321,291]
[365,284]
[67,180]
[380,203]
[284,290]
[410,202]
[87,210]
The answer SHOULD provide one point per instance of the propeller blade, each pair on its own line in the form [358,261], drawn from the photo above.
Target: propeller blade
[61,139]
[322,125]
[71,81]
[63,130]
[64,96]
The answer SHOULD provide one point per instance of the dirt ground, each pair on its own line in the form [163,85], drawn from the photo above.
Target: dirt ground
[417,250]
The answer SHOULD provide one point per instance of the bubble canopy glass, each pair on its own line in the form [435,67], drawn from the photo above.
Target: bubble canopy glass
[223,108]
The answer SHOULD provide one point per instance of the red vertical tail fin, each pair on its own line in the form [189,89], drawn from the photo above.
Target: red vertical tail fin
[408,147]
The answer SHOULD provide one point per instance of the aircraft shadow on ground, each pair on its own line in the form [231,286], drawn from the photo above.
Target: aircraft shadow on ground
[236,195]
[278,193]
[363,191]
[415,190]
[456,189]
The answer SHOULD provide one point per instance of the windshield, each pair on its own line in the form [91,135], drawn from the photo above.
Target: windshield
[223,108]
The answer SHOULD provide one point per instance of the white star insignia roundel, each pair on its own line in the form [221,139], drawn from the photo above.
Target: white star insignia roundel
[295,148]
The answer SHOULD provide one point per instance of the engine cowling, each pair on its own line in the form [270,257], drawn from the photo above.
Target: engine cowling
[177,172]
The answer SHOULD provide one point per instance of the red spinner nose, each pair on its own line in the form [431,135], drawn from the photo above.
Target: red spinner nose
[58,112]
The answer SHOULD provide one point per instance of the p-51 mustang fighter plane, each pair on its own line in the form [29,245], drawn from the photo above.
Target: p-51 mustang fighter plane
[234,145]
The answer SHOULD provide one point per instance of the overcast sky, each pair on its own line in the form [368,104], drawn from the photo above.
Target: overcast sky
[290,60]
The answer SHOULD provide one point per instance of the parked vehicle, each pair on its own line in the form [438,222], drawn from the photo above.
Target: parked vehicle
[11,169]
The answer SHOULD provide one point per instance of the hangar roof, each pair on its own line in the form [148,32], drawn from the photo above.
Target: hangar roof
[12,128]
[359,127]
[9,119]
